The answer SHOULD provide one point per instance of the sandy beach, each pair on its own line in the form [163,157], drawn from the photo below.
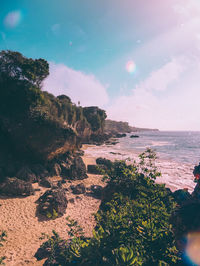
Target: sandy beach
[18,218]
[24,228]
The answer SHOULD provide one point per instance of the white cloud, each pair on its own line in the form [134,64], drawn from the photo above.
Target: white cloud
[75,84]
[174,106]
[163,77]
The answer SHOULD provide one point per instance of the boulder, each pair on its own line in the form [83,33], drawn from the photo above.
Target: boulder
[134,136]
[78,169]
[96,190]
[53,203]
[78,189]
[104,161]
[26,174]
[65,170]
[56,170]
[182,196]
[40,171]
[16,187]
[118,135]
[94,169]
[45,182]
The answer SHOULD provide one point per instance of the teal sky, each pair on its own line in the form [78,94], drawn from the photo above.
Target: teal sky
[130,57]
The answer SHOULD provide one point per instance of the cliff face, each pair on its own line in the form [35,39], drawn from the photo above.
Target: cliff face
[114,127]
[35,126]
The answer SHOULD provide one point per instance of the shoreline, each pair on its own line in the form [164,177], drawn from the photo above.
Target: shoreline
[174,175]
[18,215]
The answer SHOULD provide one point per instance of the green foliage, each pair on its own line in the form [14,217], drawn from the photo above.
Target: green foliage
[95,117]
[14,65]
[53,215]
[133,228]
[21,97]
[3,236]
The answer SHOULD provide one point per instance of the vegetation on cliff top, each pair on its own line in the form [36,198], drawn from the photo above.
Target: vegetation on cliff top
[27,112]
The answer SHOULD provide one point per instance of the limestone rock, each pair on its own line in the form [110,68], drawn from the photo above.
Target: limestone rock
[78,169]
[26,174]
[78,189]
[53,203]
[96,190]
[16,187]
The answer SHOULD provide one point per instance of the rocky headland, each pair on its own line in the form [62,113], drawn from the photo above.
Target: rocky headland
[44,174]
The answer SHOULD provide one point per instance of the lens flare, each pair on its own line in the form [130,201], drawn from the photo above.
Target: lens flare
[131,67]
[13,19]
[192,251]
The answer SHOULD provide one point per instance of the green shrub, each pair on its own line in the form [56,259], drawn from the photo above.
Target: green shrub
[133,229]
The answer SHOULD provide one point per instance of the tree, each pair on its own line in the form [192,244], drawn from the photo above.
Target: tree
[13,65]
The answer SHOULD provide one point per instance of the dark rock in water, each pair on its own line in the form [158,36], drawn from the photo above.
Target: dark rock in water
[78,189]
[118,135]
[96,190]
[16,187]
[53,203]
[78,169]
[181,196]
[45,182]
[26,174]
[94,169]
[134,136]
[104,161]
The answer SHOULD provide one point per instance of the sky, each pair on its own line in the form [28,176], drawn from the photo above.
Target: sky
[137,59]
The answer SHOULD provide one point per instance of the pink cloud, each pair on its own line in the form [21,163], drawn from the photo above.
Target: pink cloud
[75,84]
[174,107]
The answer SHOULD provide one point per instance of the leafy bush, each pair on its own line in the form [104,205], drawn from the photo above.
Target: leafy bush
[133,228]
[21,96]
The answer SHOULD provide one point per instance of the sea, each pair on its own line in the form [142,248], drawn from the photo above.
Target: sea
[177,151]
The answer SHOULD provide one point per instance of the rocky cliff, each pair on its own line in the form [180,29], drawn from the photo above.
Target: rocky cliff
[35,126]
[114,127]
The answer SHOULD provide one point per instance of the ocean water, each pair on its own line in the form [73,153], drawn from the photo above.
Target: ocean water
[177,152]
[180,146]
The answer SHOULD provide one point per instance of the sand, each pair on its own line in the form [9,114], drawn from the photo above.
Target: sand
[24,228]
